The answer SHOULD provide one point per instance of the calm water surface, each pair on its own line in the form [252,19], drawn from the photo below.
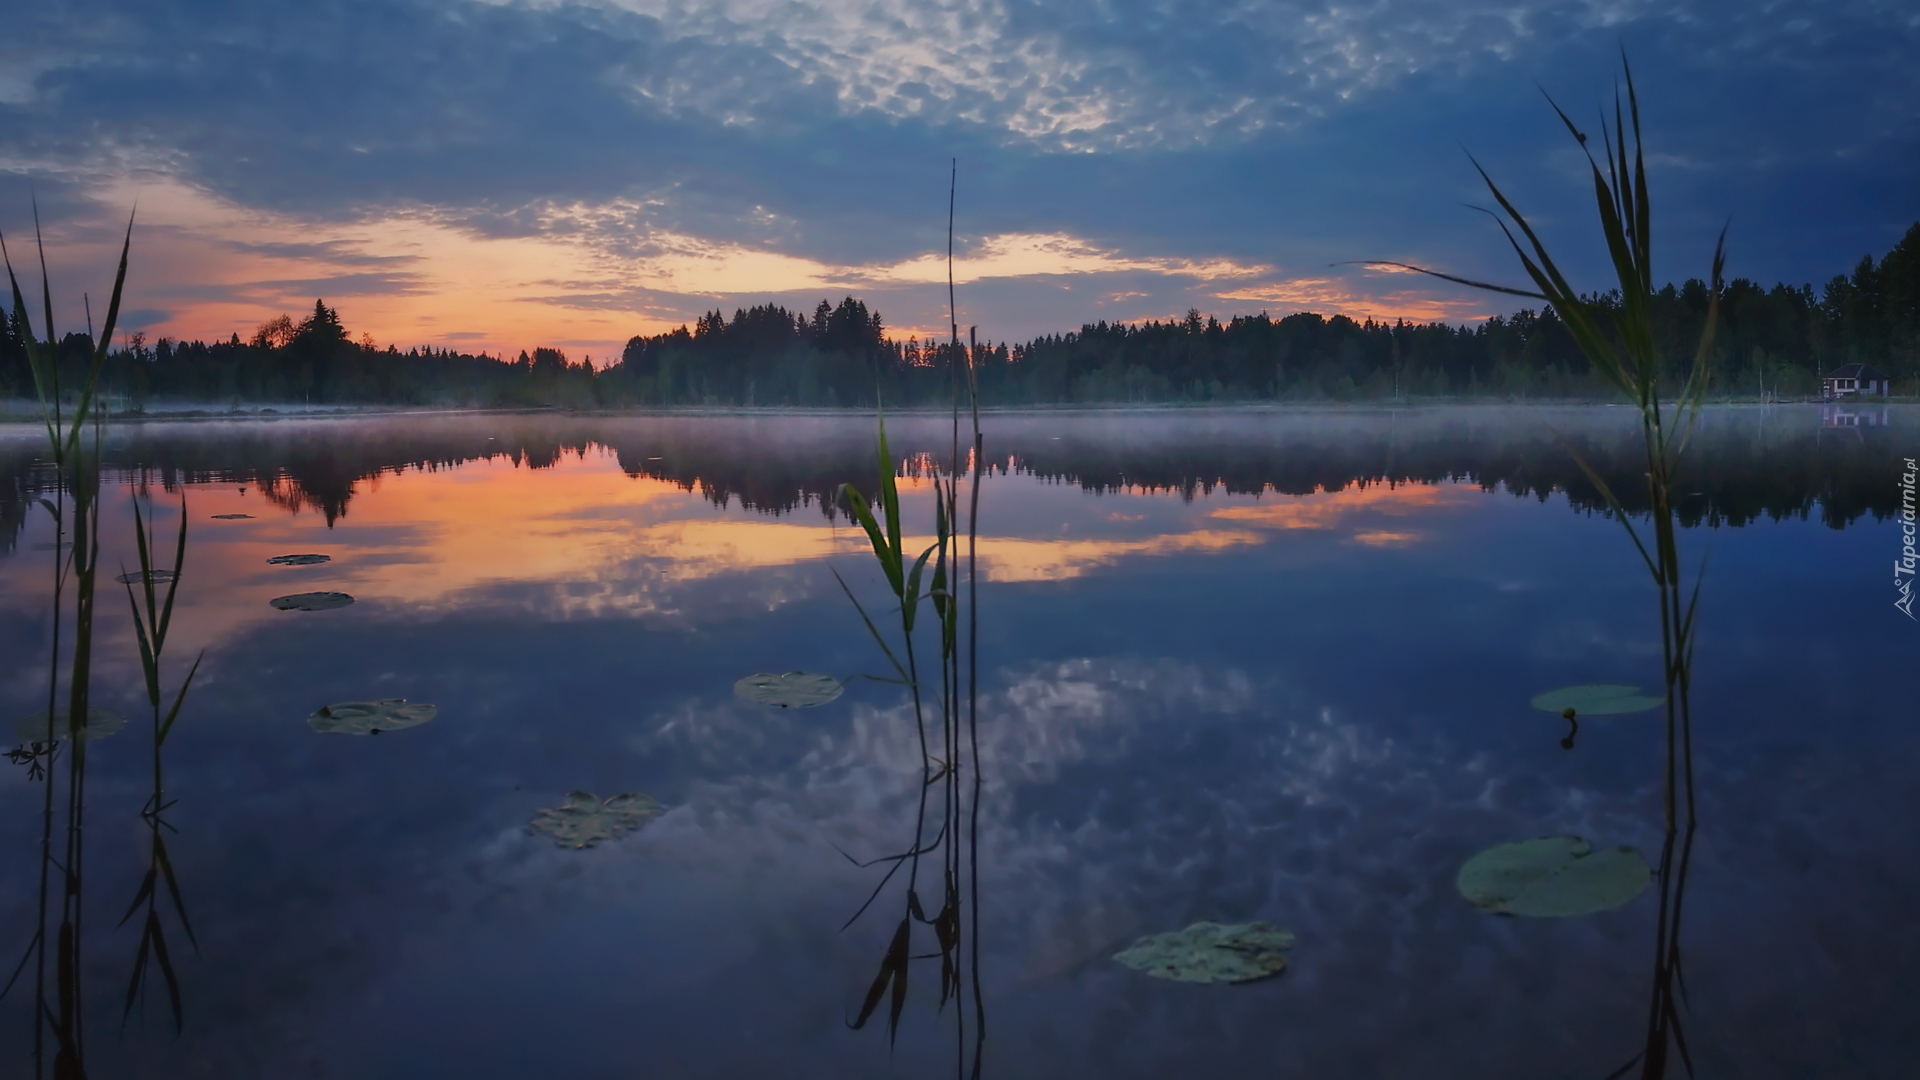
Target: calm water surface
[1236,666]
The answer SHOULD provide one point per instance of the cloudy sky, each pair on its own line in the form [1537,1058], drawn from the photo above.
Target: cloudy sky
[499,174]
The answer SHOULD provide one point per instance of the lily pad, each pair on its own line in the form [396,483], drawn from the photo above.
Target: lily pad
[100,724]
[370,717]
[583,819]
[311,601]
[233,517]
[794,690]
[1553,877]
[138,577]
[299,560]
[1208,952]
[1597,700]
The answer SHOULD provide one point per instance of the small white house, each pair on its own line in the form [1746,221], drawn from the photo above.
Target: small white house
[1850,379]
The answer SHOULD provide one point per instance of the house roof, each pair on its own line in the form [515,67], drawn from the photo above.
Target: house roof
[1862,372]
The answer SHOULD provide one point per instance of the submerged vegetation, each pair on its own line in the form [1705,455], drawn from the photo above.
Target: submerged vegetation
[793,690]
[584,819]
[1208,952]
[1773,342]
[371,717]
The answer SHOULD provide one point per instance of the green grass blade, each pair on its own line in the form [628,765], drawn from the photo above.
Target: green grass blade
[1614,506]
[898,667]
[890,501]
[146,559]
[173,587]
[909,600]
[149,666]
[882,550]
[99,358]
[42,384]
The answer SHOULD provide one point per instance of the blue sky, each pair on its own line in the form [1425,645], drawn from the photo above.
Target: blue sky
[505,174]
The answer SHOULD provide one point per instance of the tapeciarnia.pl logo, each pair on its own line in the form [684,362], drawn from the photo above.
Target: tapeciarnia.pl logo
[1904,565]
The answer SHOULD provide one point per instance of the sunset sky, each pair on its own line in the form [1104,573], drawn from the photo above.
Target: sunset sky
[500,175]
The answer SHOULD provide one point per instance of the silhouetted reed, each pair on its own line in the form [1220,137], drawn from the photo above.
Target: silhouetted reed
[955,841]
[1617,336]
[74,443]
[152,617]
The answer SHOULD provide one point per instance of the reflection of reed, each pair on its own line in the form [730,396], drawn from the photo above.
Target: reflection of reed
[1669,983]
[152,617]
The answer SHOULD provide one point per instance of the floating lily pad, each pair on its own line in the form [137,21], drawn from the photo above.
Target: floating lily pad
[583,819]
[1208,952]
[311,601]
[100,724]
[1597,700]
[1554,877]
[370,717]
[233,517]
[299,560]
[794,690]
[137,577]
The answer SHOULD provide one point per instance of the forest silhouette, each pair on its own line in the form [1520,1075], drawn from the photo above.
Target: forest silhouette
[1747,465]
[1772,342]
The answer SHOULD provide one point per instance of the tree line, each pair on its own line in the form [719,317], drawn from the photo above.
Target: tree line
[1776,341]
[1745,465]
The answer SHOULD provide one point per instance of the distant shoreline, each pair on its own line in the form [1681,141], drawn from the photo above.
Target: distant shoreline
[27,412]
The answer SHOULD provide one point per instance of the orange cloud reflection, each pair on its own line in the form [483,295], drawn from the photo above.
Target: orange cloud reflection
[604,543]
[1356,506]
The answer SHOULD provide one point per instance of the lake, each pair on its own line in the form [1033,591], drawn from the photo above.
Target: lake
[1238,665]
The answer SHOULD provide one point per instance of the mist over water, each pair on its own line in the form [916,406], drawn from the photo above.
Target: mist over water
[1237,665]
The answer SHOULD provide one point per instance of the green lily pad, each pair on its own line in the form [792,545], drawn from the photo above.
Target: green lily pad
[100,724]
[370,717]
[794,690]
[140,577]
[233,517]
[1208,952]
[1597,700]
[1553,877]
[299,560]
[311,601]
[583,819]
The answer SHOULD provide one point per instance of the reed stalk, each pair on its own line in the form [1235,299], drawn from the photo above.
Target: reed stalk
[75,507]
[1619,341]
[955,840]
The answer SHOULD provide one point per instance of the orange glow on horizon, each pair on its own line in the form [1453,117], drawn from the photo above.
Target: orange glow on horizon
[585,281]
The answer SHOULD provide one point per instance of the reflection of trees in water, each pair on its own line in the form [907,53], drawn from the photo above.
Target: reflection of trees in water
[18,490]
[1747,463]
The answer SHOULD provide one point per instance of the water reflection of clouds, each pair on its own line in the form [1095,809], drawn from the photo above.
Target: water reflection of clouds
[1127,795]
[604,543]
